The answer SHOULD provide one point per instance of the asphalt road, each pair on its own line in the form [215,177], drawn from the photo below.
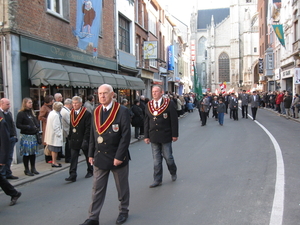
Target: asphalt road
[226,175]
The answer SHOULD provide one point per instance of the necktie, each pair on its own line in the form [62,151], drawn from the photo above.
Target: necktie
[156,105]
[105,110]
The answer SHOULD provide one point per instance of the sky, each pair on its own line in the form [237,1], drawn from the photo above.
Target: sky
[182,9]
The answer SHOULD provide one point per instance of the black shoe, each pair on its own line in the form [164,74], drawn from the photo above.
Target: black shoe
[90,222]
[61,156]
[58,165]
[33,170]
[174,177]
[155,184]
[122,218]
[28,173]
[88,175]
[12,177]
[72,179]
[14,199]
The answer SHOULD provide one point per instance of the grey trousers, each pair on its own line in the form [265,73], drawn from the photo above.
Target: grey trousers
[100,186]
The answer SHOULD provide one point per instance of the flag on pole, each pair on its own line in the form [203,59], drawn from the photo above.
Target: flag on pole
[278,29]
[223,87]
[197,85]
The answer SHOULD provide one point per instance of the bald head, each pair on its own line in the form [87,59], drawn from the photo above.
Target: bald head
[5,104]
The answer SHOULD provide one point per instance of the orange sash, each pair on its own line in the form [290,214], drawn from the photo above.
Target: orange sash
[101,128]
[161,109]
[76,121]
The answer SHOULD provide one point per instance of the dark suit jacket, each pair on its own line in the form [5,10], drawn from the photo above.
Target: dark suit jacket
[4,141]
[12,126]
[82,131]
[164,127]
[115,141]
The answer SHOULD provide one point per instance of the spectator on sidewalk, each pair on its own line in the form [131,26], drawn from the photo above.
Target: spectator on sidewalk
[278,101]
[287,102]
[54,132]
[90,103]
[295,106]
[29,126]
[65,113]
[44,112]
[7,116]
[59,98]
[4,154]
[137,119]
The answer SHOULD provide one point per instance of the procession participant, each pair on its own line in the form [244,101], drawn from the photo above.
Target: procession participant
[79,136]
[161,128]
[7,115]
[4,142]
[108,151]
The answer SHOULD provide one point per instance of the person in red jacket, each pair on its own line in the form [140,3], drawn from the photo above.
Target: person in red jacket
[278,101]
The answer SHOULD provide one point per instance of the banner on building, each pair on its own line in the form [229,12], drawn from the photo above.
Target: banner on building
[260,66]
[278,29]
[88,24]
[171,57]
[297,75]
[150,49]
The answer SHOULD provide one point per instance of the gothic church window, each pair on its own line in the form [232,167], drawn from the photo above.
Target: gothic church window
[224,67]
[201,46]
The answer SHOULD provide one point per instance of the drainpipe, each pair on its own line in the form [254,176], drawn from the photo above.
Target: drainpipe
[4,66]
[115,34]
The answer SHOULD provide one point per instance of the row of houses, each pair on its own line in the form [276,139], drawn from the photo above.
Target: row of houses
[73,46]
[279,44]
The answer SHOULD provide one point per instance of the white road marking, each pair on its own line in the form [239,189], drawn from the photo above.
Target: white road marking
[278,201]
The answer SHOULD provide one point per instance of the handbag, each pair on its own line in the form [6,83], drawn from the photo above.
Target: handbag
[47,151]
[39,137]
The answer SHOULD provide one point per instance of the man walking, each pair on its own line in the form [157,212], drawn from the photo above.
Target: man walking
[161,128]
[79,136]
[108,151]
[254,101]
[245,101]
[4,143]
[7,116]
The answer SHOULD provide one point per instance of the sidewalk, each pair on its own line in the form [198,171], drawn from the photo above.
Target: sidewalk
[281,115]
[44,168]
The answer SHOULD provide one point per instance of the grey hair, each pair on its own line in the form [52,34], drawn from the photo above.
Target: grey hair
[68,101]
[57,106]
[77,99]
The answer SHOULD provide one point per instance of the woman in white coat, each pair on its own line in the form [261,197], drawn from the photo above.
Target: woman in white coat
[54,132]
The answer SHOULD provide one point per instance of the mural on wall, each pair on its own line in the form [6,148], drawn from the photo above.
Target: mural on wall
[88,24]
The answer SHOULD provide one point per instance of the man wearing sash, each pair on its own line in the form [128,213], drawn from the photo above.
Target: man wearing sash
[108,151]
[161,128]
[79,136]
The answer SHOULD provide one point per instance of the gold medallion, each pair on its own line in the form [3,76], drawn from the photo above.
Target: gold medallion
[155,113]
[100,139]
[74,130]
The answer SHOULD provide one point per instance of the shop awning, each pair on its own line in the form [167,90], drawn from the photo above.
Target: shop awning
[95,78]
[134,83]
[156,81]
[78,77]
[46,73]
[109,79]
[121,82]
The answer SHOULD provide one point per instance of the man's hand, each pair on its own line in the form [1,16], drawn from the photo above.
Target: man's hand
[147,140]
[91,160]
[117,162]
[174,139]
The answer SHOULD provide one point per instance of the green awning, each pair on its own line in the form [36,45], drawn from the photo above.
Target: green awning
[78,77]
[135,83]
[46,73]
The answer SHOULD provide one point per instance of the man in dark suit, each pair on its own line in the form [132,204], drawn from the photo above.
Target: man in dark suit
[108,151]
[254,101]
[4,143]
[79,136]
[6,114]
[245,101]
[161,128]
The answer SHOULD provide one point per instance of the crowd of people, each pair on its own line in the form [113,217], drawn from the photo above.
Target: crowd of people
[103,133]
